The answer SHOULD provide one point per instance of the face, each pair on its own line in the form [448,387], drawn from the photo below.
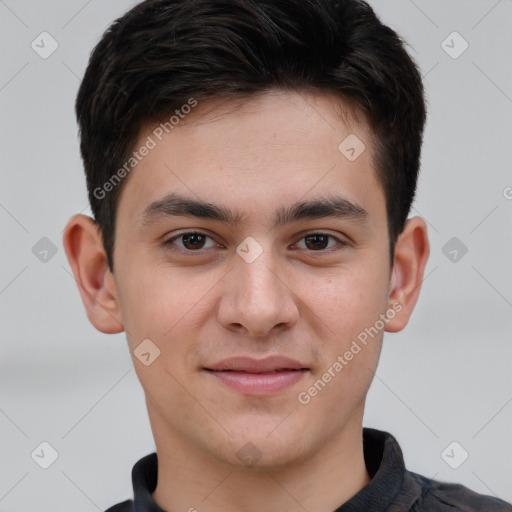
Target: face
[226,291]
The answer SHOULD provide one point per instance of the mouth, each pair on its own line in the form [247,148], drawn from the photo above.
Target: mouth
[258,377]
[252,365]
[261,373]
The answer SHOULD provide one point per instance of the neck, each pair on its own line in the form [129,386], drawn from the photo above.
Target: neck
[192,481]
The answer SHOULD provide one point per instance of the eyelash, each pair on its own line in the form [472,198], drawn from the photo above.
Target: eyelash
[169,243]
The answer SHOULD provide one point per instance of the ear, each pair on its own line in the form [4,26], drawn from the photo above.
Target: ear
[411,254]
[84,249]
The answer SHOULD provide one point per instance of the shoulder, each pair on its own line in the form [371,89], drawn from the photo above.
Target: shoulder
[125,506]
[440,496]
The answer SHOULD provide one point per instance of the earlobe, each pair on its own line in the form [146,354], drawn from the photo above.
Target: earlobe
[87,258]
[411,255]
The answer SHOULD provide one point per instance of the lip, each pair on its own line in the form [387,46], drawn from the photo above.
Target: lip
[252,365]
[258,377]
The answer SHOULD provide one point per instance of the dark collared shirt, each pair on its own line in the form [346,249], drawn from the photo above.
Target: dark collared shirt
[392,488]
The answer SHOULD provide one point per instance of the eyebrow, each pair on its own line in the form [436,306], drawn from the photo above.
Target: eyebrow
[177,205]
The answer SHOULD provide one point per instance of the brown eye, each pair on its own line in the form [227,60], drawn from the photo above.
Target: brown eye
[191,241]
[316,241]
[319,241]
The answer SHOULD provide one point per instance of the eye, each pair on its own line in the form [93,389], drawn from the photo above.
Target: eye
[319,241]
[190,241]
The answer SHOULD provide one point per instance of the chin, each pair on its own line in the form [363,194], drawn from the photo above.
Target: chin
[263,448]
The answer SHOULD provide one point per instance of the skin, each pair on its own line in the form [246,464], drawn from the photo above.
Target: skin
[294,300]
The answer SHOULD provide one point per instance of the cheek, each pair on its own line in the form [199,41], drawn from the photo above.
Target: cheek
[348,301]
[160,307]
[350,307]
[164,305]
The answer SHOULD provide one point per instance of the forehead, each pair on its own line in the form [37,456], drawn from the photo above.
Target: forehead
[256,154]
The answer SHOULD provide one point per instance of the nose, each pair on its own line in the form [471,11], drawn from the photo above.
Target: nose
[258,297]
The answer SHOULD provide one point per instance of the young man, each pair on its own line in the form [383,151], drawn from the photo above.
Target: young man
[250,167]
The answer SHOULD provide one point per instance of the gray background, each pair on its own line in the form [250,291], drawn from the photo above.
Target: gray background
[446,378]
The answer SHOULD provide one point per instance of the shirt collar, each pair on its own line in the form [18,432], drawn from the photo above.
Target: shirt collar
[385,465]
[144,478]
[383,459]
